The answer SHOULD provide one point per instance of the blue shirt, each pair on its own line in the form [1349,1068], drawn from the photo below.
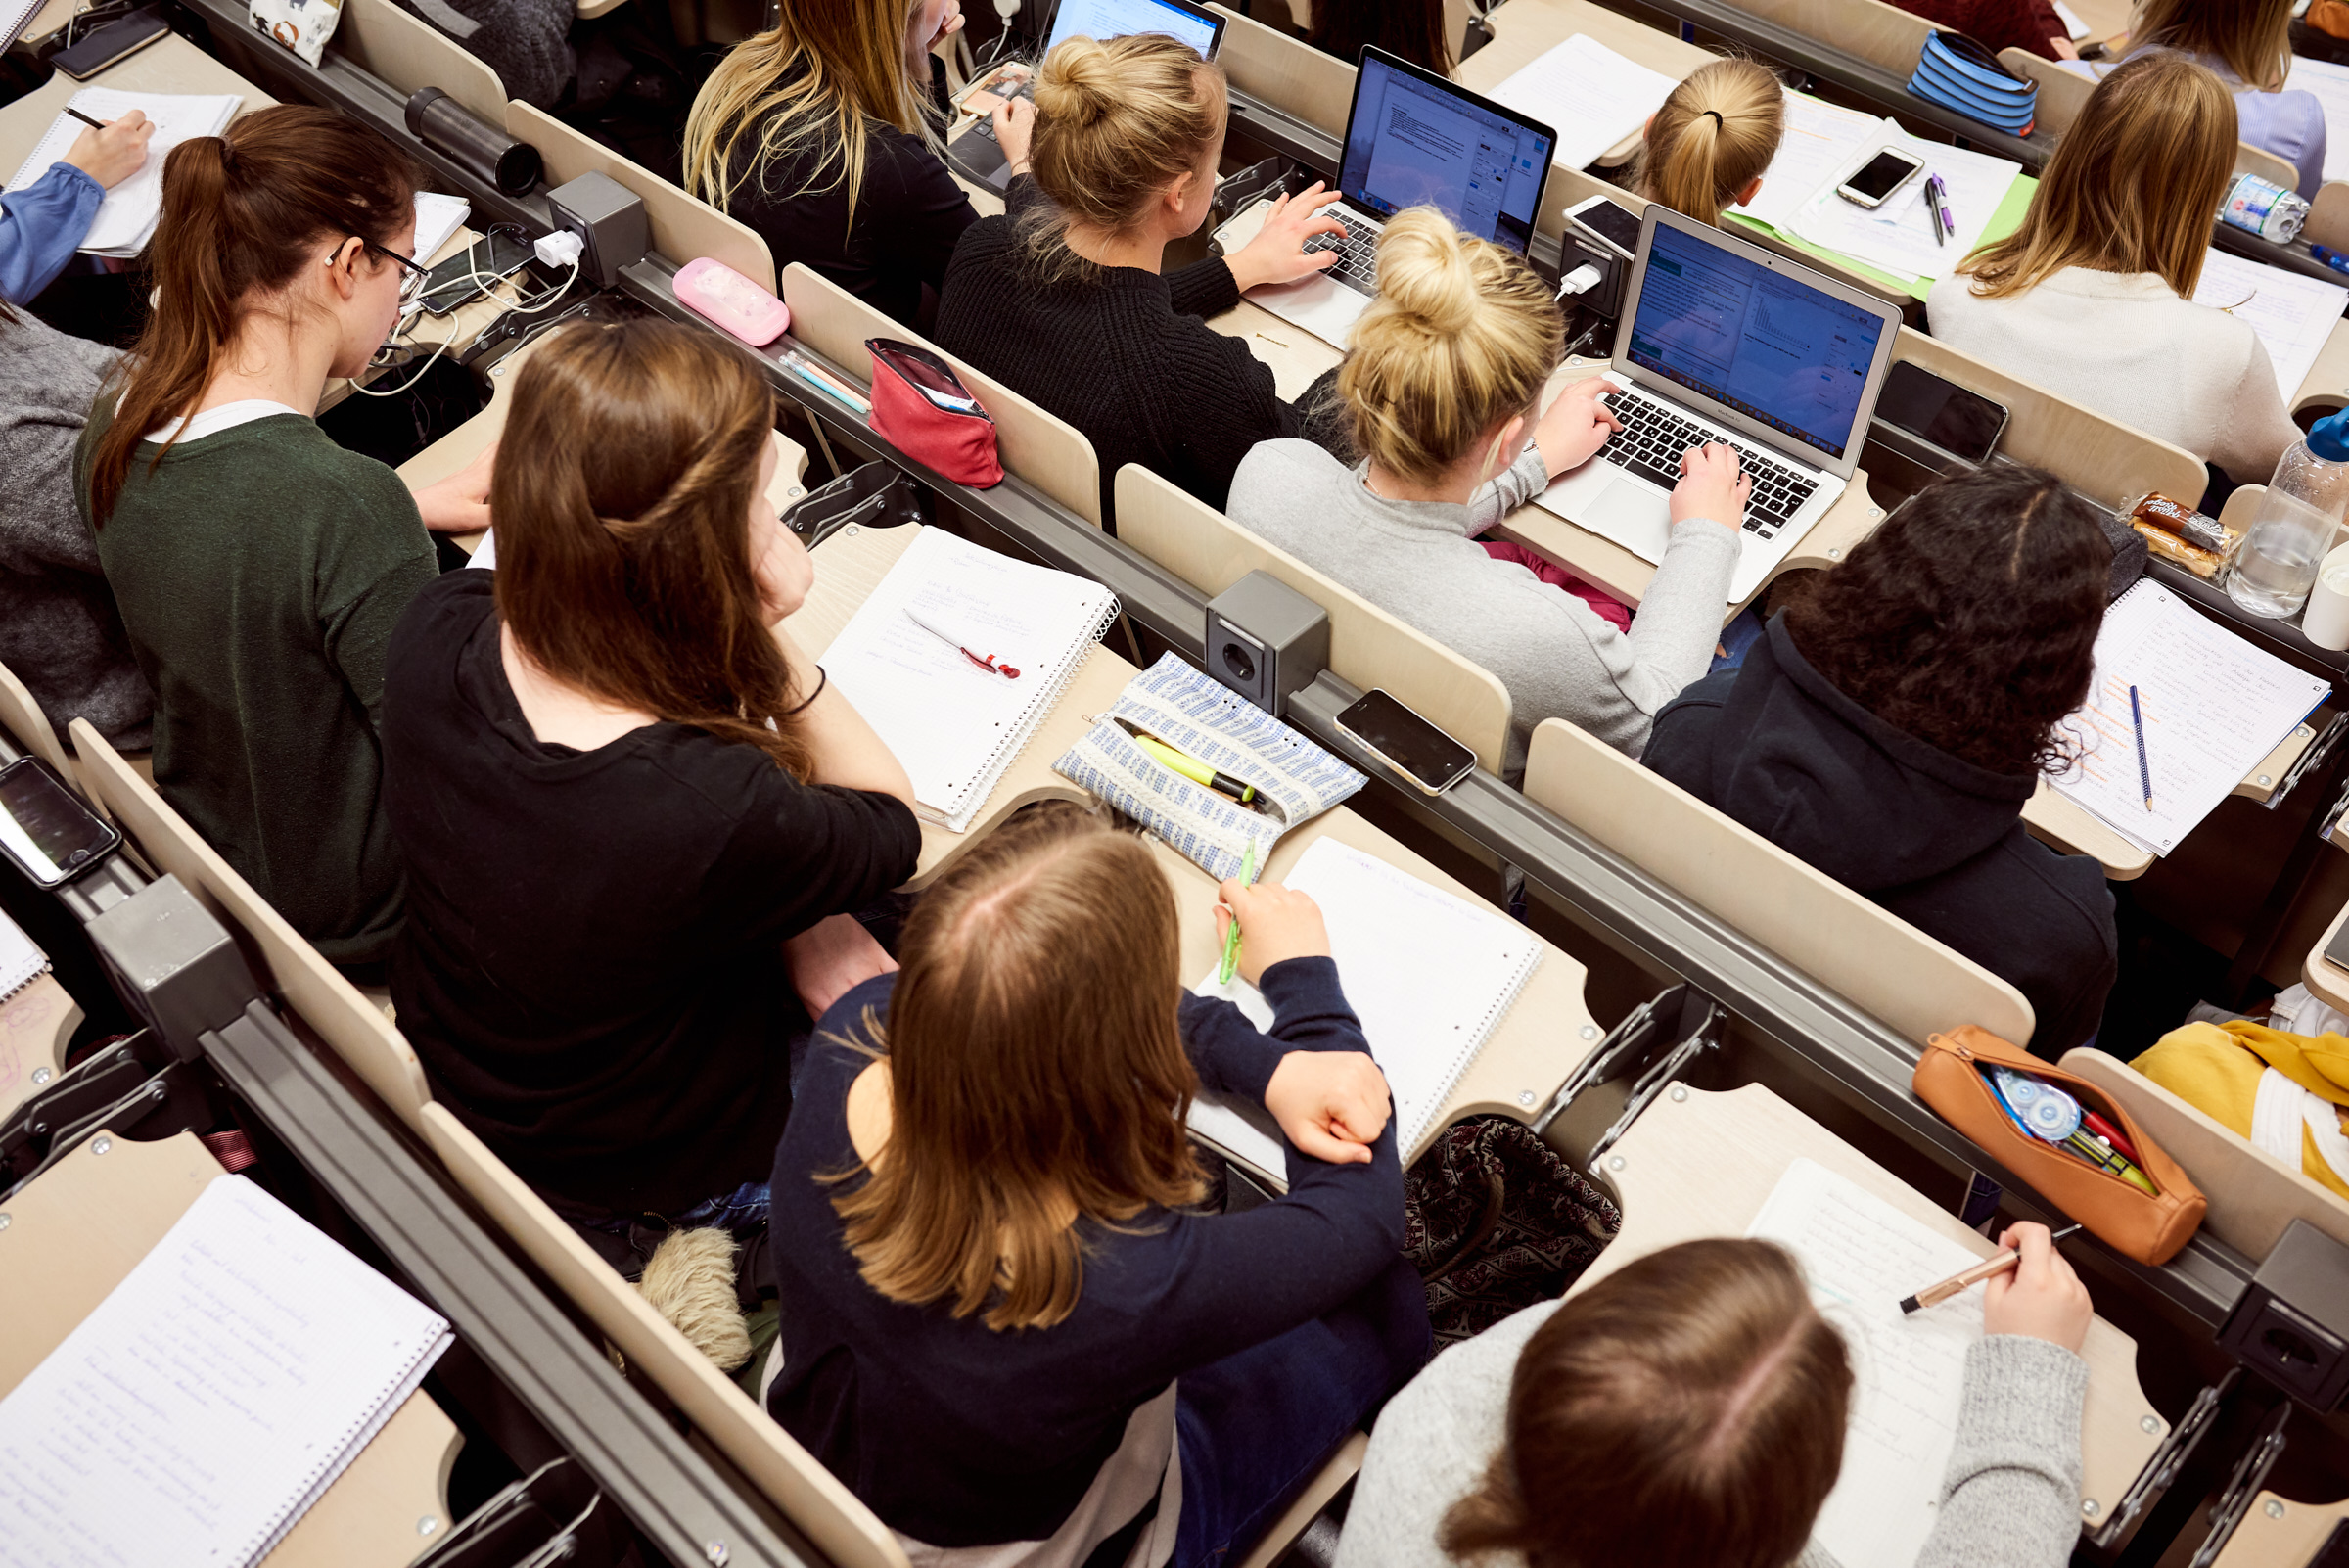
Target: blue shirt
[2289,123]
[41,226]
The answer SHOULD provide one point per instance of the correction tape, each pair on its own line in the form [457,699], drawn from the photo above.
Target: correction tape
[2046,1110]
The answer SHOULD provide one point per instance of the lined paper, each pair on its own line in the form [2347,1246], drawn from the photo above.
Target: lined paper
[127,216]
[2292,314]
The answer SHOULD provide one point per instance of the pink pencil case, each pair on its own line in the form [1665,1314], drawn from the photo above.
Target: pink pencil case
[716,290]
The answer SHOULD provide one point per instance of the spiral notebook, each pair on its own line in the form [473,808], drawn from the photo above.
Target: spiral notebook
[126,218]
[1430,975]
[211,1398]
[21,961]
[955,658]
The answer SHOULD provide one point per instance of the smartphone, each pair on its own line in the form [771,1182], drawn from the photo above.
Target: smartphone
[1616,228]
[470,272]
[117,40]
[1963,423]
[1884,174]
[1407,743]
[45,828]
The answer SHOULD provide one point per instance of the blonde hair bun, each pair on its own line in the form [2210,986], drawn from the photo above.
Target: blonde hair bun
[1425,274]
[1117,122]
[1078,85]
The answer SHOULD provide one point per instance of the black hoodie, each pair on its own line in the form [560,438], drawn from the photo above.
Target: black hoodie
[1935,840]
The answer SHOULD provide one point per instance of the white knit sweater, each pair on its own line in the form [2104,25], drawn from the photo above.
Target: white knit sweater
[2125,345]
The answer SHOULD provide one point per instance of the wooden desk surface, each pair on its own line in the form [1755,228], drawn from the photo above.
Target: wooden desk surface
[2327,385]
[2280,1533]
[169,65]
[2105,19]
[2326,981]
[1525,29]
[1698,1164]
[35,1025]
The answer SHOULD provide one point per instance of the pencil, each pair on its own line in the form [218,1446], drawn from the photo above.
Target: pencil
[1935,1295]
[95,124]
[2145,769]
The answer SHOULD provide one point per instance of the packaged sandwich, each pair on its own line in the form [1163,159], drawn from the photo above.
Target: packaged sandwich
[2198,529]
[2169,547]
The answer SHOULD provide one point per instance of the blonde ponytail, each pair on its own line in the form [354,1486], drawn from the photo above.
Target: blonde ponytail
[1461,336]
[1717,130]
[1116,123]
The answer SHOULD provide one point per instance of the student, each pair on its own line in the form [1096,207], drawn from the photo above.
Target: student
[818,135]
[1063,300]
[1891,722]
[259,565]
[618,872]
[2031,25]
[1411,29]
[1688,1411]
[1442,388]
[2249,45]
[43,224]
[1007,1325]
[1708,145]
[2104,270]
[60,632]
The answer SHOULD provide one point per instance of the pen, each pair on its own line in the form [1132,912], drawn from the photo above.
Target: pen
[1937,191]
[985,662]
[1932,213]
[826,383]
[1195,770]
[2336,260]
[2144,770]
[1935,1295]
[1232,938]
[94,124]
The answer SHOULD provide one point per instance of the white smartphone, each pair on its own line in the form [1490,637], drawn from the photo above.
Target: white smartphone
[1614,227]
[1875,181]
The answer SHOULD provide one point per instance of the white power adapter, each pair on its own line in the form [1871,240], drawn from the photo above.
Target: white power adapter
[1582,280]
[559,248]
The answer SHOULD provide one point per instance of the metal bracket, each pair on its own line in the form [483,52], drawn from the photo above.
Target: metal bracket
[2161,1469]
[2250,1471]
[1683,1016]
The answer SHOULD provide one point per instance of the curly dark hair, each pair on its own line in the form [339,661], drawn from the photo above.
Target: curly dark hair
[1968,618]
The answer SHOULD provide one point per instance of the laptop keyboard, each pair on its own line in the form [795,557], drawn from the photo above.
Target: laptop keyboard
[1655,436]
[1357,266]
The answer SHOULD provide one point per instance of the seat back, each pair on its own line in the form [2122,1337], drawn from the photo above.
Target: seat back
[22,717]
[406,53]
[1885,36]
[2329,216]
[345,1018]
[683,227]
[1041,448]
[1286,72]
[1367,646]
[2108,461]
[2063,93]
[1873,958]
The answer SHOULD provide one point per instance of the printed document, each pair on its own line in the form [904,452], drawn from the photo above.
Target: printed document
[2292,314]
[1897,236]
[2331,85]
[1588,94]
[1821,141]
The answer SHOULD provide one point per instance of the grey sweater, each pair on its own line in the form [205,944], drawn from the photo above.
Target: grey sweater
[60,632]
[1418,561]
[2010,1498]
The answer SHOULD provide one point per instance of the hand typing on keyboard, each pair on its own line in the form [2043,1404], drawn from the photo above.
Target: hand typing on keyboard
[1277,254]
[1712,486]
[1575,425]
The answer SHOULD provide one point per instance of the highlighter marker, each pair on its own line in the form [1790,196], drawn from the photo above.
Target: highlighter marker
[1197,771]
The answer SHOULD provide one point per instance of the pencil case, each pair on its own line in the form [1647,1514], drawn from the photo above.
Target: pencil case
[716,291]
[1962,73]
[2148,1226]
[922,408]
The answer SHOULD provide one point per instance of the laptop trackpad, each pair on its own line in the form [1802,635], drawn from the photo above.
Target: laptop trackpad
[1633,515]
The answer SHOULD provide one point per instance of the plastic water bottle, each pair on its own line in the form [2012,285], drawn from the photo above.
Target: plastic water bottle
[2266,208]
[2277,564]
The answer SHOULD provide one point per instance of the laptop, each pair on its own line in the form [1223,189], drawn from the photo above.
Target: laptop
[977,154]
[1415,139]
[1721,340]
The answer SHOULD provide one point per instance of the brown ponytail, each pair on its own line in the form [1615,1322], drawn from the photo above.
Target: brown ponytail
[1717,130]
[241,212]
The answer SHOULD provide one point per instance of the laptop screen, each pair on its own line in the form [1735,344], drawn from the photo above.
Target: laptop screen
[1768,345]
[1414,142]
[1118,18]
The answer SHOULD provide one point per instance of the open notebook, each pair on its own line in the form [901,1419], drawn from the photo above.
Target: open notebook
[212,1397]
[1430,976]
[902,661]
[21,961]
[127,218]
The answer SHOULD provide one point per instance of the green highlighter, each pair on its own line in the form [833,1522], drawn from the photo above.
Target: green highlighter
[1232,938]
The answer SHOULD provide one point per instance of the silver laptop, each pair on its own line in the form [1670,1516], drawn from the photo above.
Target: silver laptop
[1722,341]
[1415,139]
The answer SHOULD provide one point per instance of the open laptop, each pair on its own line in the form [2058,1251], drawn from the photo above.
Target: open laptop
[1415,139]
[1721,340]
[976,153]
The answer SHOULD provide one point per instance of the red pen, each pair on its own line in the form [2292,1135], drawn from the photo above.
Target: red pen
[986,662]
[2110,1135]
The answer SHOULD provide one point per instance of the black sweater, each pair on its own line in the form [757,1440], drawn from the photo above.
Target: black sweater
[1936,840]
[1122,354]
[591,969]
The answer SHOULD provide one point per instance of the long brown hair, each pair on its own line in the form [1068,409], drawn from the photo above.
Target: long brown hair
[2254,37]
[1717,130]
[1685,1412]
[1411,28]
[1036,1075]
[243,212]
[2132,186]
[622,496]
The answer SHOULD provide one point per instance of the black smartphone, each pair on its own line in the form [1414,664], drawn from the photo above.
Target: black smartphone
[1613,226]
[1407,743]
[117,40]
[1965,424]
[454,282]
[45,829]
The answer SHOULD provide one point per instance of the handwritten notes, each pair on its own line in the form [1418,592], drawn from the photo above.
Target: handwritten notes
[126,218]
[2293,315]
[2213,706]
[1588,94]
[221,1387]
[1861,1256]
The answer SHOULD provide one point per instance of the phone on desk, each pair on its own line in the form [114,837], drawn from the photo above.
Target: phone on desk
[473,272]
[1614,227]
[45,829]
[1873,182]
[1406,743]
[118,40]
[1965,424]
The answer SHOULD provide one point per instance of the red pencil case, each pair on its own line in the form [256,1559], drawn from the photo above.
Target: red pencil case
[921,407]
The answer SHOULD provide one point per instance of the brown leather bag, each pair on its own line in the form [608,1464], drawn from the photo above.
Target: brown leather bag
[2148,1227]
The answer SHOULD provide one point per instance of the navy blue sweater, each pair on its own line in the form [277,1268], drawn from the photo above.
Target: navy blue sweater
[959,1435]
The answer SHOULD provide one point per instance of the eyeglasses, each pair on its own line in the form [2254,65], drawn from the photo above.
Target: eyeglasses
[413,271]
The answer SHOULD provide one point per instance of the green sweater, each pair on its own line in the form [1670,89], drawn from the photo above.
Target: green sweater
[260,572]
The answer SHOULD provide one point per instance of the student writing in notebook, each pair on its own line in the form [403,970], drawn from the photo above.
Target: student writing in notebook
[1689,1411]
[628,893]
[259,565]
[2093,297]
[1892,721]
[1065,298]
[1008,1325]
[1443,390]
[821,134]
[1708,145]
[42,225]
